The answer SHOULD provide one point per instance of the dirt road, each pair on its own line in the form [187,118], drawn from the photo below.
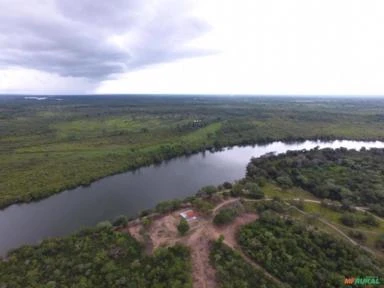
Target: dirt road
[163,232]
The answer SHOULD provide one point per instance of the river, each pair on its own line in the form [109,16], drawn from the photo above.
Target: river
[129,193]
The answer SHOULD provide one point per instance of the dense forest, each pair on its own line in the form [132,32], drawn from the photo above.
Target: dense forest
[350,176]
[97,257]
[301,256]
[54,144]
[234,272]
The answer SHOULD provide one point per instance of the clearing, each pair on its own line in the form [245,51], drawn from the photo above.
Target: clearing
[163,232]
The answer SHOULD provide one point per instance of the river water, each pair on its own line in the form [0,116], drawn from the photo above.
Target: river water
[129,193]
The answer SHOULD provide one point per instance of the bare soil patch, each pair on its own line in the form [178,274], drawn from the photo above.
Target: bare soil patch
[229,231]
[135,231]
[163,232]
[203,273]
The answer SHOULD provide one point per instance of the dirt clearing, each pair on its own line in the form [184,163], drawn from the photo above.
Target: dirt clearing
[229,231]
[203,273]
[163,232]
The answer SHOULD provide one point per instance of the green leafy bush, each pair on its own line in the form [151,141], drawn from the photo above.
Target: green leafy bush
[225,216]
[183,226]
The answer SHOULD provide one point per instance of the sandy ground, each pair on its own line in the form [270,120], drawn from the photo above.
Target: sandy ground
[135,232]
[163,232]
[203,274]
[229,231]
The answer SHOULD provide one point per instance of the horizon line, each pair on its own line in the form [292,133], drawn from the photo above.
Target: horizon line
[198,94]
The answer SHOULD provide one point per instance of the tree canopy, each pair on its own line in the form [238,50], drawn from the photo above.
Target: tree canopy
[97,257]
[350,176]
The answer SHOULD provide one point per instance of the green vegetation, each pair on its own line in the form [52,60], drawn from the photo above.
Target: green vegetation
[168,206]
[183,226]
[203,206]
[273,190]
[352,177]
[48,146]
[252,190]
[248,189]
[232,271]
[98,257]
[365,228]
[339,215]
[120,221]
[207,191]
[357,235]
[301,256]
[380,243]
[225,216]
[352,220]
[275,205]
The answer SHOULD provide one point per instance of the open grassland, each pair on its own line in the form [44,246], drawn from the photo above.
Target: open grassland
[372,233]
[48,146]
[273,191]
[334,217]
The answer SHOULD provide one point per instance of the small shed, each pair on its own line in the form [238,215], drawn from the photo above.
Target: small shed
[189,215]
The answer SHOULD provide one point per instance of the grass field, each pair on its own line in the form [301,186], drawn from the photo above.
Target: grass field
[272,191]
[333,217]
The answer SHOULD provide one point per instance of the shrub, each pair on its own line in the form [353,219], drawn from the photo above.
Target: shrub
[104,224]
[285,181]
[380,243]
[226,194]
[298,204]
[224,216]
[236,190]
[359,236]
[254,191]
[207,191]
[349,219]
[204,207]
[183,226]
[168,206]
[120,221]
[227,185]
[370,220]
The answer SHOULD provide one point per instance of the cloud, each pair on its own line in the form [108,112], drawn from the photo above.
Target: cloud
[96,39]
[166,46]
[298,47]
[29,81]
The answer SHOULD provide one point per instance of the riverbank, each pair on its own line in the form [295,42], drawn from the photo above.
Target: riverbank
[129,193]
[49,147]
[137,159]
[156,235]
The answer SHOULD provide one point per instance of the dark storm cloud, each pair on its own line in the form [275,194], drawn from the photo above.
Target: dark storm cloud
[73,37]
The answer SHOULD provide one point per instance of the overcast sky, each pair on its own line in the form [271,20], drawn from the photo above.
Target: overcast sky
[285,47]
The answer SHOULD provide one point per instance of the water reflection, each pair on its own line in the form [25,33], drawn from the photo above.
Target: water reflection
[131,192]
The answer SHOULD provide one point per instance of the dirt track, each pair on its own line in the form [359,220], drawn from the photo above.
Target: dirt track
[163,232]
[202,272]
